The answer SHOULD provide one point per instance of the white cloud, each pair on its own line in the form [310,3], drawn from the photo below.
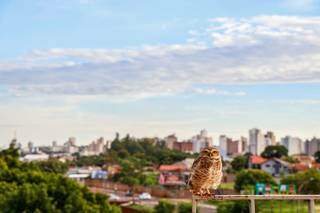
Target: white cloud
[262,49]
[213,91]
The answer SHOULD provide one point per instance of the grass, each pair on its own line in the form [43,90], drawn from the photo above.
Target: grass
[141,208]
[266,206]
[226,185]
[282,206]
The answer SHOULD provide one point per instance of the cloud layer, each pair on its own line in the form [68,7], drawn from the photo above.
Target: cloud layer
[263,49]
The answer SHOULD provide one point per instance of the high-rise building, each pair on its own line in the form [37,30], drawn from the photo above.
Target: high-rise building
[293,144]
[270,139]
[256,141]
[72,141]
[70,146]
[223,146]
[170,140]
[200,141]
[184,146]
[94,148]
[233,147]
[30,147]
[229,147]
[312,146]
[244,144]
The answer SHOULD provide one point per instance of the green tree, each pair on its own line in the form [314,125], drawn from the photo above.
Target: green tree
[41,187]
[184,207]
[250,177]
[239,163]
[317,156]
[276,151]
[307,182]
[164,207]
[52,165]
[233,207]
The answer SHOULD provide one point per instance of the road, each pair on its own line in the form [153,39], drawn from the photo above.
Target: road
[150,203]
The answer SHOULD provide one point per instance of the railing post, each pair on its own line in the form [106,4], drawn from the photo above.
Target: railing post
[311,206]
[252,206]
[194,205]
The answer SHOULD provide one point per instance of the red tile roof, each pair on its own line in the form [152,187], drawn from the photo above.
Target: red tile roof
[255,159]
[169,168]
[300,167]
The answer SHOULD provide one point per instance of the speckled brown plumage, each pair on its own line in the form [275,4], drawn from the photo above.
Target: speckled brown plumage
[206,172]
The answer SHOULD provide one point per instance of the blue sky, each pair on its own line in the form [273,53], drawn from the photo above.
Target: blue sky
[89,68]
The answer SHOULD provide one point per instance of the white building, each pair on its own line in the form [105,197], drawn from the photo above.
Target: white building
[35,157]
[200,141]
[256,141]
[312,146]
[70,146]
[95,148]
[293,144]
[223,146]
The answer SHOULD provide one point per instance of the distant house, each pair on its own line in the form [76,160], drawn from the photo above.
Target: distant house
[304,159]
[276,167]
[81,173]
[175,174]
[300,167]
[172,175]
[35,157]
[255,161]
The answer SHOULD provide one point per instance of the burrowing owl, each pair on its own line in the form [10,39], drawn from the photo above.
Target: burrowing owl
[206,172]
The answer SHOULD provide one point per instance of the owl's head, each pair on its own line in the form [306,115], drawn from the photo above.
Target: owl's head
[211,152]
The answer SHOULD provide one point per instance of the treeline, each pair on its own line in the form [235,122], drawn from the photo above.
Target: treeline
[150,151]
[41,187]
[134,156]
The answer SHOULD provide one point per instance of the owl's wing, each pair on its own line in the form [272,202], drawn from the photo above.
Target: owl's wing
[195,163]
[193,168]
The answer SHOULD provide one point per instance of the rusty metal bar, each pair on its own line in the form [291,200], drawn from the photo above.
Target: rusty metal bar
[262,197]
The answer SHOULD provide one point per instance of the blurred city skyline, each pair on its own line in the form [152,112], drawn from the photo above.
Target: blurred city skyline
[91,68]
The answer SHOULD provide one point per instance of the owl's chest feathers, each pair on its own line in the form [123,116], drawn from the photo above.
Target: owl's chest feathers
[208,167]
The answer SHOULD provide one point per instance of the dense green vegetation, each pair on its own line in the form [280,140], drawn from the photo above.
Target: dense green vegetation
[276,151]
[41,187]
[248,178]
[317,156]
[134,155]
[239,163]
[132,173]
[167,207]
[164,207]
[282,206]
[231,206]
[141,208]
[184,207]
[145,151]
[308,182]
[148,150]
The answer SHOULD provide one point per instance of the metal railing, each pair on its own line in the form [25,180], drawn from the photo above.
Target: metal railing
[252,198]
